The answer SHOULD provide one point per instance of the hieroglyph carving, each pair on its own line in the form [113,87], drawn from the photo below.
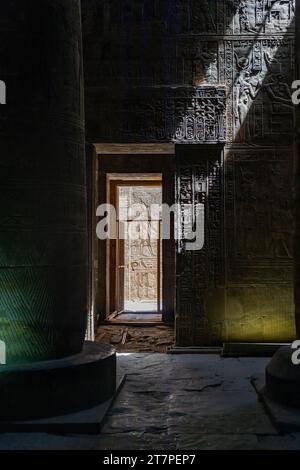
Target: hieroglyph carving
[263,16]
[183,114]
[262,76]
[207,72]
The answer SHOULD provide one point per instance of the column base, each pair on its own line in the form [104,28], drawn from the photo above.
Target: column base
[283,378]
[58,387]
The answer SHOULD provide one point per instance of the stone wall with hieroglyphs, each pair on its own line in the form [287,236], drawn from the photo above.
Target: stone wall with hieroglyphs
[209,71]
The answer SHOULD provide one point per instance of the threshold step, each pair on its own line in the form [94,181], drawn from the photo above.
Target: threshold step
[251,349]
[194,350]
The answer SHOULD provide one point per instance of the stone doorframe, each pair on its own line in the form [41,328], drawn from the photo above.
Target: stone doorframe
[94,152]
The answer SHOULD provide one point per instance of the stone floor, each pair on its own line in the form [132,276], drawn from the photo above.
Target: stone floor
[146,339]
[179,402]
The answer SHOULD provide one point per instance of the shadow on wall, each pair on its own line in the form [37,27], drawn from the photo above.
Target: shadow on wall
[144,62]
[141,73]
[259,203]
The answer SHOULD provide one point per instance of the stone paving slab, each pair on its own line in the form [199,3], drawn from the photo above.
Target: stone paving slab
[137,441]
[285,442]
[178,402]
[222,424]
[43,441]
[217,442]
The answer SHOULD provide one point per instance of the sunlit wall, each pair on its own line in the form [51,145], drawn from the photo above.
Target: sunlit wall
[136,54]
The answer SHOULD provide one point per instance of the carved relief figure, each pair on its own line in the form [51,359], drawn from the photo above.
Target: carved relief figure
[278,89]
[209,64]
[280,215]
[281,220]
[254,16]
[141,251]
[281,13]
[202,17]
[247,90]
[204,67]
[244,18]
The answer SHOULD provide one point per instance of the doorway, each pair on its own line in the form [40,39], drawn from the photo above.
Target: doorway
[134,166]
[135,258]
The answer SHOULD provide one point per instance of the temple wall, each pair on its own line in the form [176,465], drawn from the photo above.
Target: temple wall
[215,73]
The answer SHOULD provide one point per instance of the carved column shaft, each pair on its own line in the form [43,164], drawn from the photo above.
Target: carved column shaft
[42,176]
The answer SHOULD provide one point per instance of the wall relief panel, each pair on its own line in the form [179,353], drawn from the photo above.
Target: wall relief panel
[259,77]
[261,312]
[215,71]
[262,16]
[199,176]
[194,114]
[259,206]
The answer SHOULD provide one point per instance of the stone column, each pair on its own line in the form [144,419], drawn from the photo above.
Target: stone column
[297,177]
[43,241]
[43,219]
[282,375]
